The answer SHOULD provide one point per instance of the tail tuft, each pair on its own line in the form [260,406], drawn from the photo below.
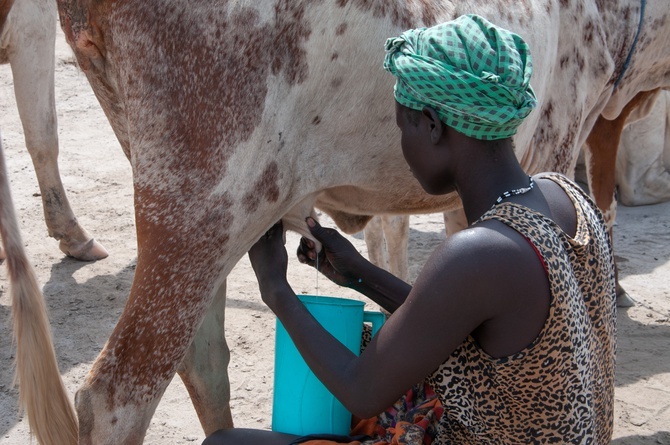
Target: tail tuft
[42,393]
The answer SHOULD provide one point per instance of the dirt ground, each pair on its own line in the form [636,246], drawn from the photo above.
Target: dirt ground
[85,299]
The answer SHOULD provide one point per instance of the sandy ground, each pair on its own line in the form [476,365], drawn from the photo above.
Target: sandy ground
[85,299]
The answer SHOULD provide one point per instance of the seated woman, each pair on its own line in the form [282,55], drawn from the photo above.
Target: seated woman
[512,320]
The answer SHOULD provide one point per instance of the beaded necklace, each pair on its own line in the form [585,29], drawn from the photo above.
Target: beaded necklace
[515,192]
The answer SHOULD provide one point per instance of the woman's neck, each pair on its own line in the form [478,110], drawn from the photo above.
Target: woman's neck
[486,177]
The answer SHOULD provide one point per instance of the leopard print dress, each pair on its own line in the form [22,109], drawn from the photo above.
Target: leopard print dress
[559,389]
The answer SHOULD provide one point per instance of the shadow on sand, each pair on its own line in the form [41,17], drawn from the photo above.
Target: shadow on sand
[97,303]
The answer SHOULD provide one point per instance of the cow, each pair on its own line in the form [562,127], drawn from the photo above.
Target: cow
[27,40]
[643,159]
[235,114]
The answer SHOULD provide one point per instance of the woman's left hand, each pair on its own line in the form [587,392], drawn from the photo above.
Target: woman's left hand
[270,261]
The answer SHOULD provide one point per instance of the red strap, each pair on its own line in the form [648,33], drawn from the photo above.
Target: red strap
[539,255]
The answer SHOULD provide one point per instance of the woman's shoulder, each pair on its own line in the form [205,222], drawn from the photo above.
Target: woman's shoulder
[490,249]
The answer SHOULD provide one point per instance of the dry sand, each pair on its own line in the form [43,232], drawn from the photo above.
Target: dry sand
[85,299]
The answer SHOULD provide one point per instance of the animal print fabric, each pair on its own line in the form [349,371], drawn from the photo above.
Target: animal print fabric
[560,388]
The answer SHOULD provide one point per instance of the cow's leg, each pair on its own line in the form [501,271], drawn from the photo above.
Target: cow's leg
[454,221]
[204,369]
[396,233]
[121,392]
[643,159]
[602,146]
[32,64]
[172,291]
[386,238]
[374,240]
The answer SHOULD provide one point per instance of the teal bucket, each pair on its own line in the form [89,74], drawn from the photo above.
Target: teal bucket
[301,405]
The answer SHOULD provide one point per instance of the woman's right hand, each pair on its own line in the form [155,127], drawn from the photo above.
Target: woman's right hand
[339,260]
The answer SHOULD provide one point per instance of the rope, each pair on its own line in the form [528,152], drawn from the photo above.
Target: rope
[643,3]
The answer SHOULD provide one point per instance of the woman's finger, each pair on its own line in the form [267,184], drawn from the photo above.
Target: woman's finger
[302,253]
[306,248]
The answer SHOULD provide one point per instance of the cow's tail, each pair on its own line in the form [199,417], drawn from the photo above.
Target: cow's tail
[42,394]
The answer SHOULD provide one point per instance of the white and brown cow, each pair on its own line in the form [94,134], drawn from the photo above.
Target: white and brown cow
[235,114]
[27,39]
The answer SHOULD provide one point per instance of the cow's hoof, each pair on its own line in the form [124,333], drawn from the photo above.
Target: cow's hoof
[88,251]
[624,300]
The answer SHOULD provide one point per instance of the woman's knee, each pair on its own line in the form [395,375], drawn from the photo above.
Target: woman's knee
[244,436]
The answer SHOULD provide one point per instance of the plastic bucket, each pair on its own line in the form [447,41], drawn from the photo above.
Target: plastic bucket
[301,405]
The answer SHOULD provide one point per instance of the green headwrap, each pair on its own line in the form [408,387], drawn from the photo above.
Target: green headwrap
[473,73]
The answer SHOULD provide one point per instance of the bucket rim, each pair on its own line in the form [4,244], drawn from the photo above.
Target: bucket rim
[329,301]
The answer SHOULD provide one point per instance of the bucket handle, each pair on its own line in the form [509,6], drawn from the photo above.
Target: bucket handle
[376,318]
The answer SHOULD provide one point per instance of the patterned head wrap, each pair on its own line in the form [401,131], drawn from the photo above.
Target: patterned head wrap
[473,73]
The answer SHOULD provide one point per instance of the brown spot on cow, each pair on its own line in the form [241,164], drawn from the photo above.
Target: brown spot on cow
[588,31]
[398,12]
[429,12]
[600,66]
[658,23]
[547,111]
[581,61]
[501,10]
[341,29]
[563,153]
[5,7]
[265,187]
[291,30]
[548,7]
[528,16]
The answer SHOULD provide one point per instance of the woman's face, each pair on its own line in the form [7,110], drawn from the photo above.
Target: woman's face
[425,158]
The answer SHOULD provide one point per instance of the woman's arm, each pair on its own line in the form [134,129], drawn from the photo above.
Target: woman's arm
[452,297]
[382,287]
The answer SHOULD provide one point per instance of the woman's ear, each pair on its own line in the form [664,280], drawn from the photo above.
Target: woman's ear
[435,124]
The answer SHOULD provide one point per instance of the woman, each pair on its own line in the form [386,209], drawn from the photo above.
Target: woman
[512,320]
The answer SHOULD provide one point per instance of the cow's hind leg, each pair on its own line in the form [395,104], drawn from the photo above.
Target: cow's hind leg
[602,146]
[32,63]
[204,369]
[374,240]
[386,238]
[396,233]
[454,221]
[121,392]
